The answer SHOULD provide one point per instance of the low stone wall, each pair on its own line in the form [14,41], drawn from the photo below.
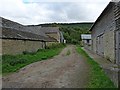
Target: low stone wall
[50,43]
[112,70]
[13,47]
[88,47]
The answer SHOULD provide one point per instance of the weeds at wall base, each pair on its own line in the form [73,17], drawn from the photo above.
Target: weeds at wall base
[12,63]
[98,78]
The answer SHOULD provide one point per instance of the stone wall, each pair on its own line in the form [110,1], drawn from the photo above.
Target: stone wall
[94,48]
[50,43]
[54,35]
[13,47]
[109,46]
[86,46]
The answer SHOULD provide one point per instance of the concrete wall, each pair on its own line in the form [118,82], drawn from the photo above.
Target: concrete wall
[105,27]
[13,47]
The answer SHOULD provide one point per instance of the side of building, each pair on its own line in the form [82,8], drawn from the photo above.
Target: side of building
[103,33]
[86,41]
[17,38]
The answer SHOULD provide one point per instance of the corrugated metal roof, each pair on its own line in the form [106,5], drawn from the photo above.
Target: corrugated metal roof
[85,36]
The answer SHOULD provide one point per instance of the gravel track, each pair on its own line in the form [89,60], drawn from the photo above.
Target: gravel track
[62,71]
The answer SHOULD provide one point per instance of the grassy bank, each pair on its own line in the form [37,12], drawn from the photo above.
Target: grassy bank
[98,77]
[12,63]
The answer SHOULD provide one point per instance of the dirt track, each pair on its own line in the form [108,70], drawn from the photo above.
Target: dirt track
[62,71]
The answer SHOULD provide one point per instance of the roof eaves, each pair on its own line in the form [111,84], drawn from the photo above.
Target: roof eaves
[102,14]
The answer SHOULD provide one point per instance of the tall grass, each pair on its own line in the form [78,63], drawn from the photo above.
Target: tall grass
[12,63]
[98,78]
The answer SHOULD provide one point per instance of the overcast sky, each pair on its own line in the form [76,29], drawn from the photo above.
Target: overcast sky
[36,11]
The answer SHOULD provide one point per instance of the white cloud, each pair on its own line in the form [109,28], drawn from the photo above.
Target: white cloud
[35,13]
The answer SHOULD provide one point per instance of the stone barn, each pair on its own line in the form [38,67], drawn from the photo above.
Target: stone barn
[106,33]
[16,39]
[51,32]
[86,41]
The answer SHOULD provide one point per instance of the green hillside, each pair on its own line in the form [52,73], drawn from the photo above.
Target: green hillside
[71,31]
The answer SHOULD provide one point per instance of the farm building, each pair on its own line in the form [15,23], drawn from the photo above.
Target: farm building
[52,32]
[17,38]
[106,33]
[86,40]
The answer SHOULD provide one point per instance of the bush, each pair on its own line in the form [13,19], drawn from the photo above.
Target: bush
[12,60]
[40,50]
[56,45]
[26,52]
[18,61]
[74,41]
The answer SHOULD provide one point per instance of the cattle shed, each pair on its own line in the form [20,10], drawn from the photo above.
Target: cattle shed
[52,32]
[106,33]
[17,42]
[16,38]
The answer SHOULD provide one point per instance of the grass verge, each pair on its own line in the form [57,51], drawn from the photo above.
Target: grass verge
[98,77]
[12,63]
[68,53]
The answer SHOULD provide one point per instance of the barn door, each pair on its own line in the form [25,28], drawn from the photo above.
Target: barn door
[118,47]
[100,45]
